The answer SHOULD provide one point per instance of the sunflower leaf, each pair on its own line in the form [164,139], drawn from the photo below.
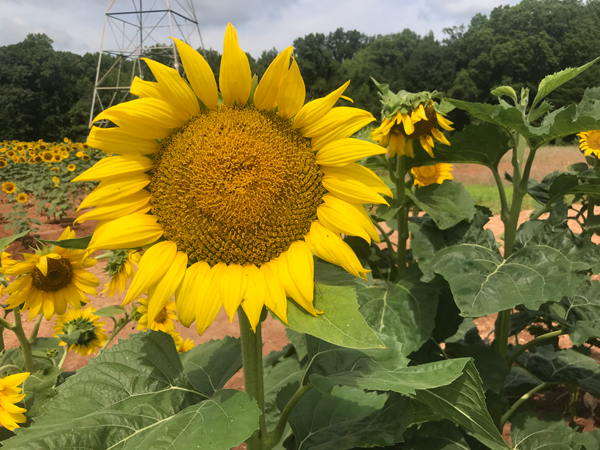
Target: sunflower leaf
[532,433]
[110,311]
[80,243]
[5,242]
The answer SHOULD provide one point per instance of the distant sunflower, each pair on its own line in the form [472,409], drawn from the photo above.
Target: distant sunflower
[9,187]
[10,394]
[22,197]
[182,346]
[55,169]
[85,157]
[120,268]
[50,279]
[589,142]
[56,181]
[71,167]
[3,163]
[47,156]
[164,320]
[246,189]
[92,335]
[435,173]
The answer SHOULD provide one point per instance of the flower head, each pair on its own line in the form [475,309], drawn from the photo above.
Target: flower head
[91,334]
[71,167]
[22,197]
[164,320]
[120,268]
[49,279]
[435,173]
[589,142]
[243,190]
[10,394]
[182,346]
[9,187]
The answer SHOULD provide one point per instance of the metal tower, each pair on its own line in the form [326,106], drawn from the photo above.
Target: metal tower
[134,29]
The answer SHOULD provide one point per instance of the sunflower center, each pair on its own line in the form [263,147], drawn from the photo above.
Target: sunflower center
[58,277]
[428,174]
[424,127]
[235,185]
[162,316]
[594,140]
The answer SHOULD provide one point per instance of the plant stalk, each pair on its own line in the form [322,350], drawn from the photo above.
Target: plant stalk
[523,399]
[253,376]
[25,345]
[36,328]
[276,434]
[402,219]
[536,341]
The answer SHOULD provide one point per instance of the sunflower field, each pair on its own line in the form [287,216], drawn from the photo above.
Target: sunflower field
[234,195]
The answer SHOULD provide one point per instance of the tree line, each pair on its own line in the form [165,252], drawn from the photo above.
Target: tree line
[47,94]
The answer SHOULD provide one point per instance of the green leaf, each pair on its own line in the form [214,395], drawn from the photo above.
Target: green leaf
[110,311]
[333,275]
[71,244]
[39,390]
[287,372]
[71,338]
[551,82]
[341,323]
[447,203]
[404,310]
[443,435]
[582,310]
[136,395]
[519,382]
[528,432]
[463,402]
[505,90]
[5,242]
[348,418]
[210,365]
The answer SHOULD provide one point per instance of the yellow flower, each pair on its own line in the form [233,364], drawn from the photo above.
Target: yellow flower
[180,344]
[55,169]
[79,154]
[47,157]
[92,336]
[51,279]
[10,394]
[589,142]
[71,167]
[6,260]
[163,320]
[66,140]
[397,132]
[22,197]
[85,157]
[9,187]
[3,163]
[56,180]
[120,269]
[436,173]
[245,190]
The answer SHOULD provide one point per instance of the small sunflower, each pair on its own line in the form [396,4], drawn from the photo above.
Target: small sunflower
[85,157]
[79,154]
[56,181]
[22,197]
[92,335]
[245,189]
[180,344]
[10,394]
[3,163]
[6,260]
[71,167]
[50,279]
[47,156]
[164,320]
[120,268]
[589,143]
[435,173]
[9,187]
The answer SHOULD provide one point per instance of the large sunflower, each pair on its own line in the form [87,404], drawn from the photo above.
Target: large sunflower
[589,142]
[50,279]
[244,185]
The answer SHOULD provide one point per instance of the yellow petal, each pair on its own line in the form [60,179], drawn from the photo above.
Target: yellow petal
[265,96]
[135,230]
[152,267]
[280,267]
[256,291]
[187,291]
[235,78]
[167,286]
[302,269]
[145,89]
[345,151]
[350,189]
[339,123]
[343,217]
[115,189]
[232,289]
[408,149]
[292,93]
[444,123]
[116,140]
[116,166]
[409,128]
[199,74]
[148,118]
[275,298]
[439,136]
[134,204]
[42,265]
[425,144]
[208,302]
[316,109]
[359,173]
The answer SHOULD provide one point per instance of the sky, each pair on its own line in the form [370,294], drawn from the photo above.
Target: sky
[77,25]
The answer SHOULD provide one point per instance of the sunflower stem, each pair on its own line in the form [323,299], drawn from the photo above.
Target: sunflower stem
[402,219]
[36,328]
[25,345]
[276,434]
[253,376]
[118,327]
[64,356]
[6,324]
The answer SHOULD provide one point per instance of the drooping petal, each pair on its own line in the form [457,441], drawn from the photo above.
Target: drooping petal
[444,123]
[351,190]
[345,151]
[256,291]
[359,173]
[292,93]
[166,287]
[208,301]
[115,189]
[199,74]
[339,123]
[135,230]
[439,136]
[275,298]
[187,292]
[409,127]
[152,267]
[116,140]
[316,109]
[302,269]
[232,289]
[265,96]
[348,218]
[281,267]
[235,77]
[116,166]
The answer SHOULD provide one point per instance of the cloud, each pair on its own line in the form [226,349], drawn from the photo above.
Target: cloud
[461,10]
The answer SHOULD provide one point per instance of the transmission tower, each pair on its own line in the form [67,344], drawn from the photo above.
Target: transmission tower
[134,29]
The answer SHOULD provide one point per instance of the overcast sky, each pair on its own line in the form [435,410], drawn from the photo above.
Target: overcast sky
[77,25]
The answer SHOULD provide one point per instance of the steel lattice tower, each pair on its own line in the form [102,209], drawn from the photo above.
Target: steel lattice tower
[133,28]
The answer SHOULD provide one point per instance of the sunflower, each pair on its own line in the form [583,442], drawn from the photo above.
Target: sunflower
[85,157]
[9,187]
[164,320]
[6,260]
[589,143]
[10,394]
[3,163]
[245,189]
[47,156]
[22,197]
[180,344]
[435,173]
[79,154]
[92,335]
[55,169]
[71,167]
[120,268]
[56,181]
[50,279]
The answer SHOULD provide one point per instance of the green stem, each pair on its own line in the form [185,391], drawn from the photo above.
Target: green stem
[386,160]
[523,399]
[386,238]
[276,434]
[1,339]
[9,367]
[253,376]
[6,324]
[536,341]
[502,331]
[25,346]
[64,356]
[115,331]
[402,213]
[36,328]
[501,191]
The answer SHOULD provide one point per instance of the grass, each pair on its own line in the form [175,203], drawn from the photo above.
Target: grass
[488,196]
